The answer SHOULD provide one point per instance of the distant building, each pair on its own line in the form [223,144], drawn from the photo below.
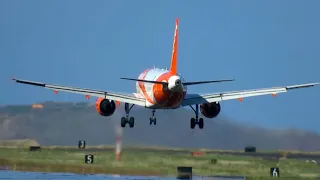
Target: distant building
[37,106]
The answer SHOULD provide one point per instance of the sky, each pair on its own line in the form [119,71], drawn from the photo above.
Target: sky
[91,44]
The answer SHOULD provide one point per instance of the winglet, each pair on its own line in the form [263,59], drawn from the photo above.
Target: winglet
[174,57]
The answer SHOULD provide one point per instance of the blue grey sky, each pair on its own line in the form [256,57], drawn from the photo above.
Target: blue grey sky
[92,44]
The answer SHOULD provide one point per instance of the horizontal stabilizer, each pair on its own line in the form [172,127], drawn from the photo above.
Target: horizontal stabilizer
[205,82]
[148,81]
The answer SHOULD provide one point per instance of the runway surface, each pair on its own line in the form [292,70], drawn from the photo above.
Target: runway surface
[71,176]
[265,155]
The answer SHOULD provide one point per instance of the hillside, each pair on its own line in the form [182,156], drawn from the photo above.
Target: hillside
[66,123]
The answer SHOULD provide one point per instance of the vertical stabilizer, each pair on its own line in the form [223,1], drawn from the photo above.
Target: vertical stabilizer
[174,57]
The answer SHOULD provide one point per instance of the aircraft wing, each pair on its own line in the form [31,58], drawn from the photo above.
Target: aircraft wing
[127,98]
[191,99]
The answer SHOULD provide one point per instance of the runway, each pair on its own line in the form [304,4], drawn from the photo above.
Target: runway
[70,176]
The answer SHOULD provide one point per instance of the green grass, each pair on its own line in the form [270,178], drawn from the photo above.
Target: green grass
[153,162]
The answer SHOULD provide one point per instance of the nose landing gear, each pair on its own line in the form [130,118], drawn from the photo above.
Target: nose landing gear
[153,119]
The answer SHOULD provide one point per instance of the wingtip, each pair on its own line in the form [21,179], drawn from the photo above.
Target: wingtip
[12,79]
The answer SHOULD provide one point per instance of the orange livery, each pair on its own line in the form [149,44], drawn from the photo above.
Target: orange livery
[164,89]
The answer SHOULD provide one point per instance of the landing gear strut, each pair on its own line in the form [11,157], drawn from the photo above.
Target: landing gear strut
[127,119]
[153,119]
[196,120]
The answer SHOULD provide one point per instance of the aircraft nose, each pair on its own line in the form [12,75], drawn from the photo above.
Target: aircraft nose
[178,82]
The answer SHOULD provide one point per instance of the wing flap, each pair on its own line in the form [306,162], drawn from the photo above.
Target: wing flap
[127,98]
[216,97]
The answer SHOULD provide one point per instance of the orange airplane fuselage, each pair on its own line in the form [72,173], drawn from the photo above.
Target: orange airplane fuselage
[158,95]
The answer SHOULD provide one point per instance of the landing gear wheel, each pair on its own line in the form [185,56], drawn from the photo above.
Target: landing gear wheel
[131,122]
[123,122]
[195,121]
[153,120]
[192,123]
[200,123]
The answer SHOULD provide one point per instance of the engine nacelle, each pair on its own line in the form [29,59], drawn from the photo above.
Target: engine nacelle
[210,110]
[105,107]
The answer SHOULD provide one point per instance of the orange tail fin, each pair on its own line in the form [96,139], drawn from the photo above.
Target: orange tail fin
[174,57]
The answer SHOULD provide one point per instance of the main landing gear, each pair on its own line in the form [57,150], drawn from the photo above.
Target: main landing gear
[196,120]
[153,119]
[125,120]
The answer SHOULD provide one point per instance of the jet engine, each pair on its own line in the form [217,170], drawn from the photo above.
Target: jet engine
[210,110]
[105,107]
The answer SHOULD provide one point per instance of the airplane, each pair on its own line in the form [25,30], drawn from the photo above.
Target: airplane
[164,89]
